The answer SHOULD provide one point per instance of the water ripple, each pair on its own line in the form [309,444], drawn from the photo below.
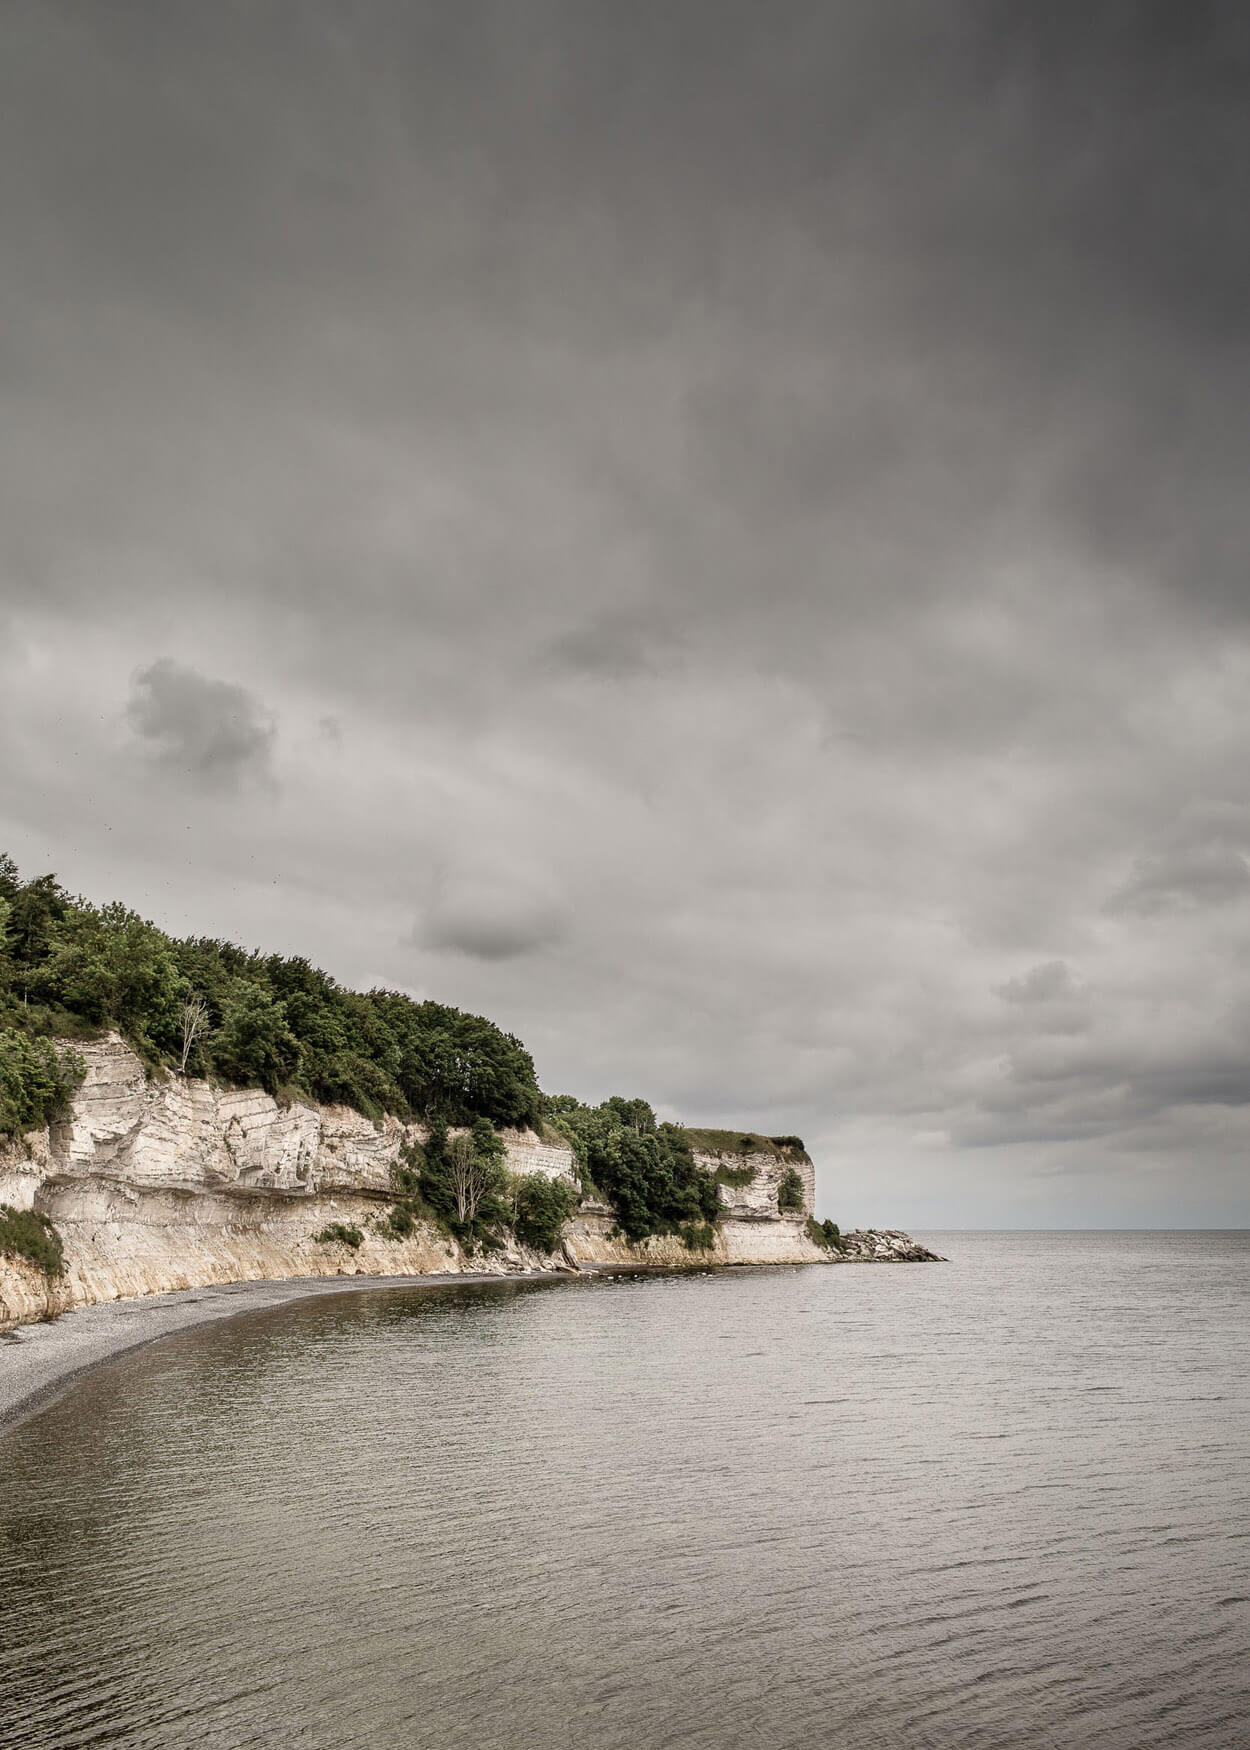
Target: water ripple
[989,1506]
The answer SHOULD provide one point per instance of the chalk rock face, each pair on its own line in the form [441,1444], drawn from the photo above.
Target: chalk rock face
[26,1295]
[527,1154]
[590,1238]
[757,1199]
[176,1133]
[167,1182]
[25,1162]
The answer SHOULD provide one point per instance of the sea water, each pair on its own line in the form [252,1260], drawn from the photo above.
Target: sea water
[1002,1501]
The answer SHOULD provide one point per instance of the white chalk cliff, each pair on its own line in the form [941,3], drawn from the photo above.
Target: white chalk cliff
[170,1183]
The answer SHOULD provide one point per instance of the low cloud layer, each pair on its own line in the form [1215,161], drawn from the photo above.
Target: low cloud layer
[714,537]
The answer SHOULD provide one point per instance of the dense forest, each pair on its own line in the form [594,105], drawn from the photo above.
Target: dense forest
[70,969]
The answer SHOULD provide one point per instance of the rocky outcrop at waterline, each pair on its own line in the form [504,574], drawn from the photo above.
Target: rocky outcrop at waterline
[163,1183]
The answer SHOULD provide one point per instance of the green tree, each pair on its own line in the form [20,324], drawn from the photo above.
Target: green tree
[35,909]
[646,1171]
[462,1178]
[6,959]
[113,966]
[68,967]
[543,1206]
[254,1044]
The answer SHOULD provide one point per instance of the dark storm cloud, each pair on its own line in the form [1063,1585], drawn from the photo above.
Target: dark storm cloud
[211,731]
[738,511]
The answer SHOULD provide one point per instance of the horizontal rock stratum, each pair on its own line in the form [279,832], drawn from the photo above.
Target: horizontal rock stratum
[167,1182]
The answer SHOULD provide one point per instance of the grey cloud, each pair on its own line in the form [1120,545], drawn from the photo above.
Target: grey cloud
[1204,875]
[1050,982]
[609,648]
[1202,861]
[753,496]
[212,731]
[489,919]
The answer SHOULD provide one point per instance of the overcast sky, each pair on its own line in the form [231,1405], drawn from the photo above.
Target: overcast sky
[714,534]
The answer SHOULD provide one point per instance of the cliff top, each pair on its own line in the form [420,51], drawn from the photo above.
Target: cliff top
[745,1143]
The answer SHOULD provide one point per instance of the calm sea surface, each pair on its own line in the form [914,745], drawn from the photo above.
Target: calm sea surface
[1002,1502]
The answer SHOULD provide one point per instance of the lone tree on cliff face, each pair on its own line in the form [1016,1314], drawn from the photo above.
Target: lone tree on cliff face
[465,1176]
[194,1026]
[474,1169]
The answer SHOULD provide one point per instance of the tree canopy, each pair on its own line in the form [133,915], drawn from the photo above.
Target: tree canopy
[645,1170]
[69,968]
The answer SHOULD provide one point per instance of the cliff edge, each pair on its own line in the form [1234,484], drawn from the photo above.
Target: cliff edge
[169,1182]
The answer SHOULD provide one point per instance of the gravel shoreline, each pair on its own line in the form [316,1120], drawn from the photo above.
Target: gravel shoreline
[39,1362]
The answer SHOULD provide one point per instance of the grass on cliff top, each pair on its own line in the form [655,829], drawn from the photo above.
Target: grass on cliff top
[23,1234]
[741,1142]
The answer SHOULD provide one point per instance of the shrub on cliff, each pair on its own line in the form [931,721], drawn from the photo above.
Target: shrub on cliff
[24,1234]
[340,1233]
[543,1206]
[824,1233]
[36,1081]
[410,1206]
[790,1193]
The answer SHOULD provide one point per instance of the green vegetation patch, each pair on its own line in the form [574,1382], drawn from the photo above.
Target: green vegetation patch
[542,1207]
[698,1236]
[646,1171]
[741,1142]
[738,1176]
[824,1233]
[70,969]
[410,1207]
[463,1179]
[36,1081]
[340,1233]
[25,1234]
[460,1185]
[790,1193]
